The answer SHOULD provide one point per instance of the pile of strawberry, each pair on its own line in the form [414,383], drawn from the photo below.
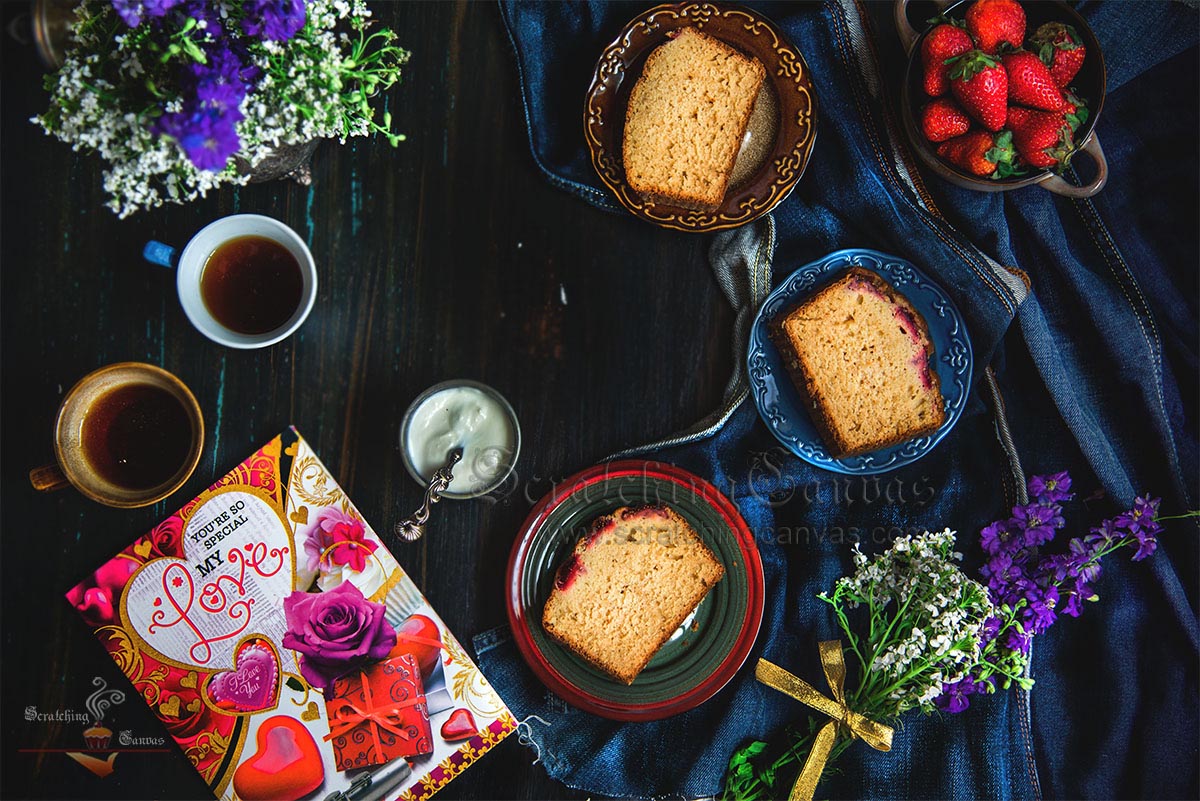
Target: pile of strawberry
[1011,106]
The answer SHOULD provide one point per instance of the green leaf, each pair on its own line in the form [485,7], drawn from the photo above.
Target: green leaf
[294,684]
[970,64]
[942,19]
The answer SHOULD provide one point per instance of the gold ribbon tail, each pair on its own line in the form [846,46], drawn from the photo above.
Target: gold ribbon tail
[841,716]
[806,783]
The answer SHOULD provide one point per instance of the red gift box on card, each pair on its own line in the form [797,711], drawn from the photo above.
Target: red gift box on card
[378,713]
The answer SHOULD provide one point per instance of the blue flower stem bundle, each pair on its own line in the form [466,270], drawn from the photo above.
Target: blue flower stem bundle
[919,634]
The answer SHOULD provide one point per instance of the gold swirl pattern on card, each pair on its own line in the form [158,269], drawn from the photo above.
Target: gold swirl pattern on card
[312,483]
[126,654]
[469,685]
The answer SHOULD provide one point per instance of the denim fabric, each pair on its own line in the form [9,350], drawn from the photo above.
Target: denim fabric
[1097,365]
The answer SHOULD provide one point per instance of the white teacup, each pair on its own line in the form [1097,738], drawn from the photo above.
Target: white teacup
[195,255]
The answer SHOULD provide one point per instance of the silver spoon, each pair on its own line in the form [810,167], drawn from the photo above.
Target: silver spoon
[413,528]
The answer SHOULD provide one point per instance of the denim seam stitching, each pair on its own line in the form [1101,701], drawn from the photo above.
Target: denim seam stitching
[588,193]
[1096,225]
[887,171]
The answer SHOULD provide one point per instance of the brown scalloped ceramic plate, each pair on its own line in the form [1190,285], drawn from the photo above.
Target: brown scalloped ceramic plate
[781,131]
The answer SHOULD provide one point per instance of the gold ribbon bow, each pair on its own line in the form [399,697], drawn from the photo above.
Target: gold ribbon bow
[345,716]
[842,717]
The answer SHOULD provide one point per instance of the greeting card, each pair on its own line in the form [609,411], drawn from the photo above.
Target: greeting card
[283,647]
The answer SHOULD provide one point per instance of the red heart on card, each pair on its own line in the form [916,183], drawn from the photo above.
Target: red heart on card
[419,636]
[459,726]
[287,765]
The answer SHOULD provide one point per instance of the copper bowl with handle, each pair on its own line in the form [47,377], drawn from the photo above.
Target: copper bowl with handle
[1090,84]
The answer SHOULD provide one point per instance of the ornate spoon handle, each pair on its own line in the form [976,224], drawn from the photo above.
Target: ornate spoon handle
[413,528]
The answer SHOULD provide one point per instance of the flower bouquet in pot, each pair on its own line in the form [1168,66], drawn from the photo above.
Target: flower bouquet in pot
[919,634]
[180,96]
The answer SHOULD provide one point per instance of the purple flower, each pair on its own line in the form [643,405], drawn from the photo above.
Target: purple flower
[991,627]
[1051,489]
[1103,535]
[219,82]
[335,631]
[955,697]
[1072,604]
[1039,521]
[995,571]
[1014,640]
[208,138]
[204,11]
[1081,556]
[273,20]
[998,537]
[129,10]
[1147,544]
[159,8]
[1039,614]
[1074,597]
[1141,522]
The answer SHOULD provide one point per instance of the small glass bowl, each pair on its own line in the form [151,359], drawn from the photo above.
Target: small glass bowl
[406,423]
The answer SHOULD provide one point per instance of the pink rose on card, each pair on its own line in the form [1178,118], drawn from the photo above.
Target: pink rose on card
[339,539]
[335,631]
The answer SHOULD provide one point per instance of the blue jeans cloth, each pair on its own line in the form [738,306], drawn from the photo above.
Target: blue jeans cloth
[1087,312]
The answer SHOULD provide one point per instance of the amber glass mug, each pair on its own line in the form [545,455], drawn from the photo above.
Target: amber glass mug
[126,435]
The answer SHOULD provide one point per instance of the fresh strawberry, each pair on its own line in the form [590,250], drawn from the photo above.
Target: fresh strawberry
[942,43]
[1029,82]
[992,22]
[1061,49]
[981,86]
[1042,138]
[942,119]
[978,152]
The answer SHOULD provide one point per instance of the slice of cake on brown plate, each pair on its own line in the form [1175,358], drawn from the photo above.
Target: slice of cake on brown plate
[629,584]
[859,354]
[686,118]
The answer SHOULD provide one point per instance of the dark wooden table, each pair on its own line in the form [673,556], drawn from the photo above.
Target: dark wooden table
[447,257]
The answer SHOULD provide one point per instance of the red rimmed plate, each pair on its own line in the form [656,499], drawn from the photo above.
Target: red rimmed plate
[707,650]
[781,131]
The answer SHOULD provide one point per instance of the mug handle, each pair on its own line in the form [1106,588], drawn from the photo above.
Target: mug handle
[1056,184]
[48,478]
[904,30]
[160,253]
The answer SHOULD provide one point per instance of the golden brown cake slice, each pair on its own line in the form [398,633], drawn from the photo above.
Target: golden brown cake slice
[628,585]
[859,354]
[686,117]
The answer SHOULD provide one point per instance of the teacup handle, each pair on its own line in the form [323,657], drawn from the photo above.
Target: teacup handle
[48,478]
[1054,183]
[160,253]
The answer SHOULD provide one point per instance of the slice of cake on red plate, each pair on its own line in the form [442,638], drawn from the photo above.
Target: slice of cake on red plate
[629,584]
[859,354]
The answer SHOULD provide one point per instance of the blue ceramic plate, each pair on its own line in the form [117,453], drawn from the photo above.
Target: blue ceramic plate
[779,402]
